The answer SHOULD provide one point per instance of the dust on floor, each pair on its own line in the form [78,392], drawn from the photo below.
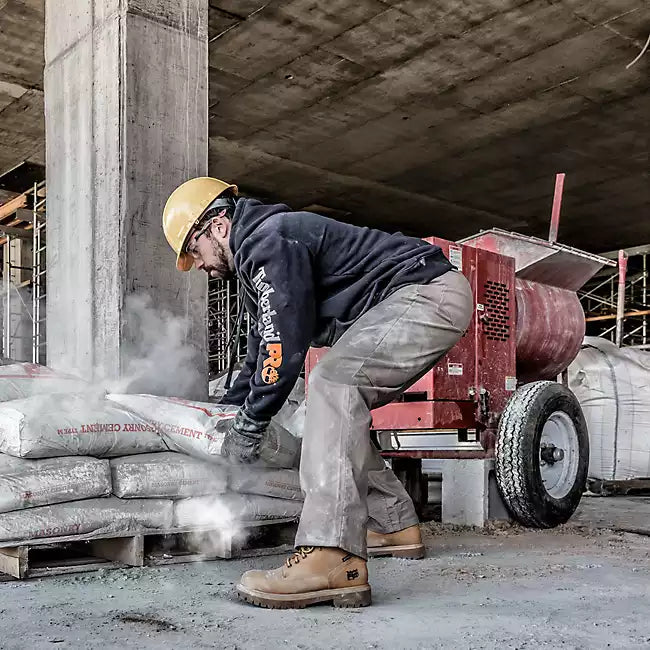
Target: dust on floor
[573,587]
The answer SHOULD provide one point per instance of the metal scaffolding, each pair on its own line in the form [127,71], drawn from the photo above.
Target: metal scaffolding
[39,348]
[616,300]
[23,277]
[224,304]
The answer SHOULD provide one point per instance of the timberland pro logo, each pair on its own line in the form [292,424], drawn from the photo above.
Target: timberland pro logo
[353,575]
[270,366]
[267,329]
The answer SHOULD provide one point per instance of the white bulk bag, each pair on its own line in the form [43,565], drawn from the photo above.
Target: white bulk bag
[76,424]
[166,475]
[29,483]
[198,428]
[613,388]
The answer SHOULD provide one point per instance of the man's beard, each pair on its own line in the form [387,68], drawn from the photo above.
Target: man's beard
[221,268]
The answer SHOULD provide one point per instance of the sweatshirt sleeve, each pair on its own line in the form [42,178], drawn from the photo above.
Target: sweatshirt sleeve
[280,270]
[241,386]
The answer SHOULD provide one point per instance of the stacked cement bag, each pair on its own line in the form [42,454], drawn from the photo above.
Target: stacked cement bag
[198,428]
[263,490]
[229,509]
[200,492]
[20,380]
[86,424]
[613,387]
[166,475]
[52,429]
[56,480]
[277,483]
[59,497]
[91,517]
[30,483]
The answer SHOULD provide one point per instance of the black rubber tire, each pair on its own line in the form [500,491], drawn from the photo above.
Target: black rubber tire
[517,454]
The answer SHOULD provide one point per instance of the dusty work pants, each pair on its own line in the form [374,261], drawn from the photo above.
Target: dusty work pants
[346,483]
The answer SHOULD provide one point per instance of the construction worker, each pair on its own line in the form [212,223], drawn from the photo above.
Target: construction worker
[389,306]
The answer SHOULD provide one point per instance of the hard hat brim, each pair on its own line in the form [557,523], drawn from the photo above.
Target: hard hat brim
[184,262]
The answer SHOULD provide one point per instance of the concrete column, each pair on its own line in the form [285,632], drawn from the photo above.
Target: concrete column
[126,114]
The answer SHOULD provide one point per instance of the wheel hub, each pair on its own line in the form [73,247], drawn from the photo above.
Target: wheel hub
[559,454]
[550,454]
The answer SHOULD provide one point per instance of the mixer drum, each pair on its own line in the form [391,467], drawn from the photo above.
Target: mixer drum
[550,329]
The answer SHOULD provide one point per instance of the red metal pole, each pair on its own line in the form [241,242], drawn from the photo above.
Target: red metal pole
[620,305]
[557,205]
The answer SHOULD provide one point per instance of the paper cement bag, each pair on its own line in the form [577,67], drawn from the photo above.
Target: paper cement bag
[28,483]
[90,517]
[295,424]
[278,483]
[76,424]
[227,509]
[286,415]
[20,380]
[166,475]
[198,428]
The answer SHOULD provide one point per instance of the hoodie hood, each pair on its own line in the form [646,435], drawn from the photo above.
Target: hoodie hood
[249,215]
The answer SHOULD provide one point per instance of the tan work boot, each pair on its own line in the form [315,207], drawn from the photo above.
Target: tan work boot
[406,543]
[311,575]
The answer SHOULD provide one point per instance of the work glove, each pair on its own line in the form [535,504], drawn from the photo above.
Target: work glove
[243,440]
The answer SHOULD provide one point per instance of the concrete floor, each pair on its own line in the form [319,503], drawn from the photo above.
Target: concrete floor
[575,587]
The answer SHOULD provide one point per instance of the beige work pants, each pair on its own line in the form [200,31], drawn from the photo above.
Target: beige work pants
[346,482]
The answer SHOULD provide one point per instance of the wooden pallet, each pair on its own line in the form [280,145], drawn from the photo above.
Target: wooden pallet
[83,553]
[631,487]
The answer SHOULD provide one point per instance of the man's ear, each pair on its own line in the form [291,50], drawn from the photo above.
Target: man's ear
[220,227]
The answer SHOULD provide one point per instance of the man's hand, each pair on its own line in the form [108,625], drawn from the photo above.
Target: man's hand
[244,438]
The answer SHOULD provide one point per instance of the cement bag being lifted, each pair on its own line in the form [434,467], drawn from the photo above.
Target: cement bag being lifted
[90,517]
[20,380]
[223,511]
[287,415]
[613,387]
[28,483]
[278,483]
[166,474]
[198,428]
[45,426]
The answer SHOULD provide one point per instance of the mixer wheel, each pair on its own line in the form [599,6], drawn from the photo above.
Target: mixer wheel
[542,454]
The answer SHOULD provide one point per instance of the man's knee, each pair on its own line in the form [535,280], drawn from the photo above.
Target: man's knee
[333,369]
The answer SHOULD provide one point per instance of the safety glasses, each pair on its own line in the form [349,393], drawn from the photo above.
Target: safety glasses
[191,246]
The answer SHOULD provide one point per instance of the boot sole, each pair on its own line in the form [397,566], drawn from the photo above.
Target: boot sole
[406,551]
[344,597]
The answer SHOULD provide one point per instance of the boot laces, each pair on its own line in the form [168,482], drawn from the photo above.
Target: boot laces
[301,553]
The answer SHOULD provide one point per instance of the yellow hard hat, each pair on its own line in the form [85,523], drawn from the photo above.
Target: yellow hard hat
[184,209]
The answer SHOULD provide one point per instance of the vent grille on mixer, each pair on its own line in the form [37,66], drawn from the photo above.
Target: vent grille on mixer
[496,323]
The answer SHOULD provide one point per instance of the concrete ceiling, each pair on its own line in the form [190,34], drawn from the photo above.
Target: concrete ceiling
[434,117]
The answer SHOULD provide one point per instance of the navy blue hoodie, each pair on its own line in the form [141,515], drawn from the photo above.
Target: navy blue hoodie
[307,278]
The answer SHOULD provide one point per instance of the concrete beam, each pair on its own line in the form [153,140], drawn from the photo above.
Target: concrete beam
[21,25]
[259,173]
[126,117]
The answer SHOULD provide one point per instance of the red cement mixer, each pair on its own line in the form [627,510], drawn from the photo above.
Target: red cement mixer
[495,393]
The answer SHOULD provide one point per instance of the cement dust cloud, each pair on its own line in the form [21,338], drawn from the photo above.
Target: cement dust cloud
[158,358]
